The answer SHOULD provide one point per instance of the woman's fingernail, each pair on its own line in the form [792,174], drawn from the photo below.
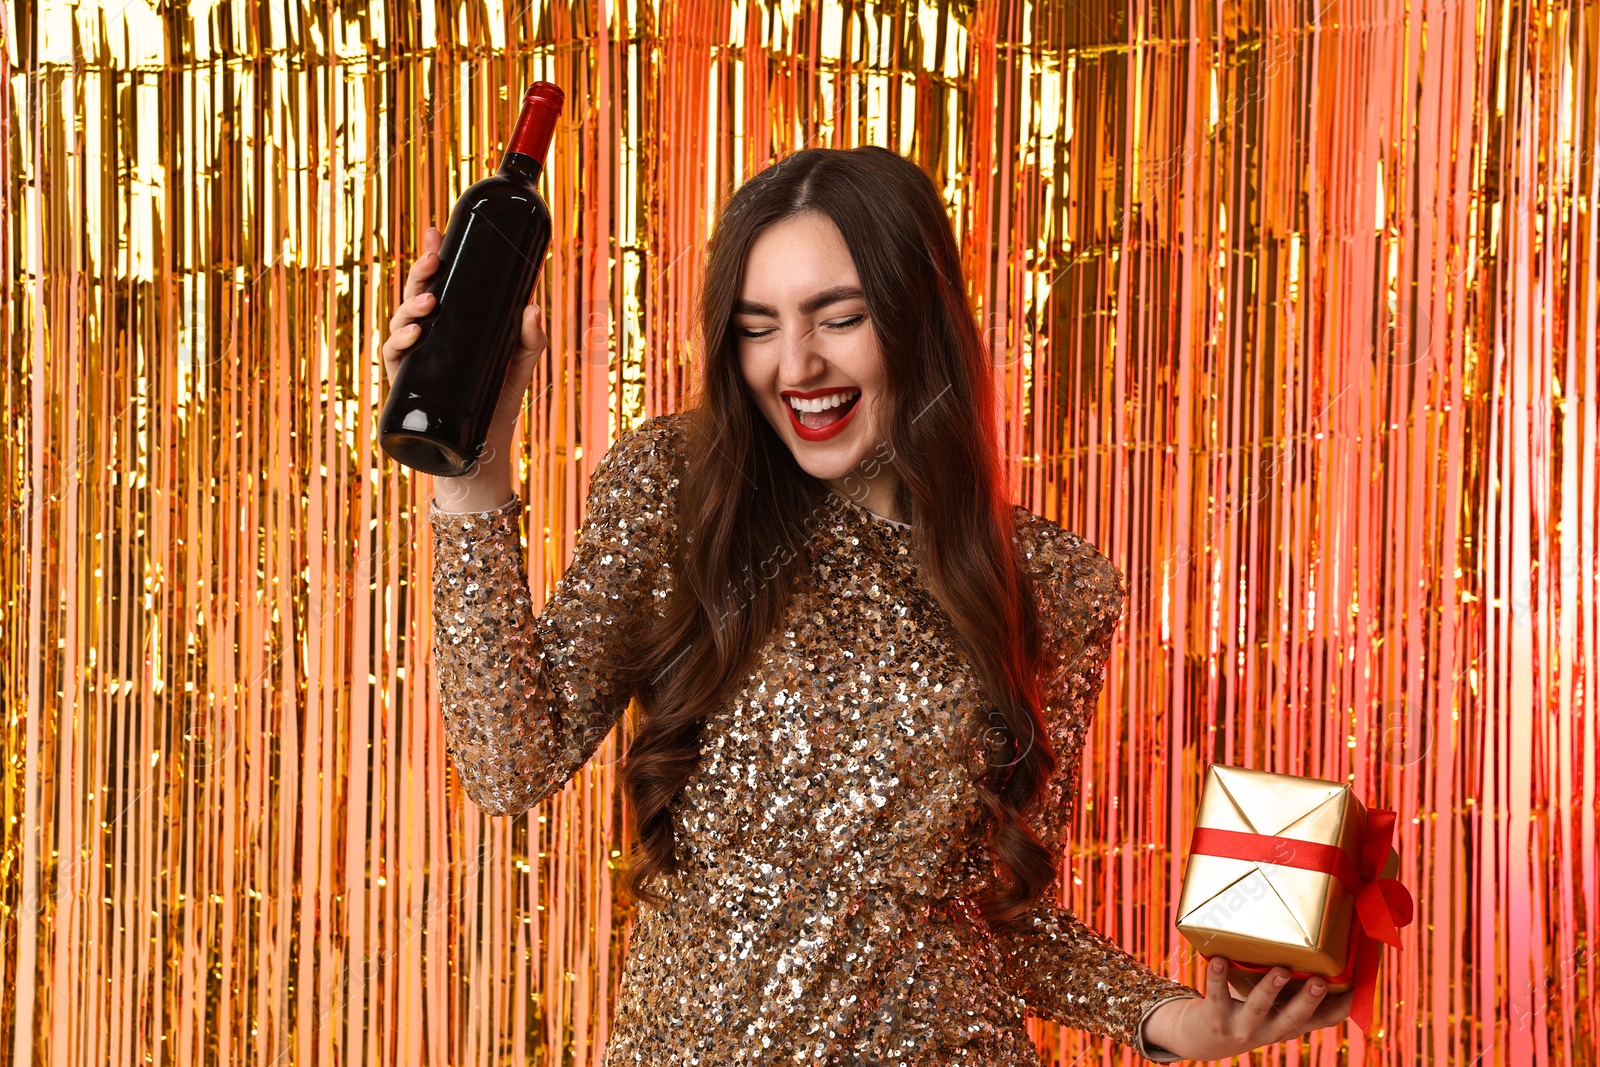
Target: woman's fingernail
[1317,987]
[1217,966]
[1279,980]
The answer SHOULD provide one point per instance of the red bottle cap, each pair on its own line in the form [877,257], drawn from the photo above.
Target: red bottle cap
[541,106]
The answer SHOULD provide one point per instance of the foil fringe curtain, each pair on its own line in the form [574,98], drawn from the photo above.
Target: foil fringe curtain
[1294,312]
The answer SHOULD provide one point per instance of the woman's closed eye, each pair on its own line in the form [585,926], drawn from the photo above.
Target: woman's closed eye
[841,325]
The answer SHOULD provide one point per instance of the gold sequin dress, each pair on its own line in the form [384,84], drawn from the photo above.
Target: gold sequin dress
[830,838]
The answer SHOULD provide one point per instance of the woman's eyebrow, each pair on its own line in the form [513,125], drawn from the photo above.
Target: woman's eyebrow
[812,303]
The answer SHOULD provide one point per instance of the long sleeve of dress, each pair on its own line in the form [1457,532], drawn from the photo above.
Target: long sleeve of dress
[526,698]
[1065,970]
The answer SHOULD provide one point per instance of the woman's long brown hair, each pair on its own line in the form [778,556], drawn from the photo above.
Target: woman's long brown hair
[744,503]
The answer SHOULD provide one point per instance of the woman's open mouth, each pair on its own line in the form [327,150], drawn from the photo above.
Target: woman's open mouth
[820,418]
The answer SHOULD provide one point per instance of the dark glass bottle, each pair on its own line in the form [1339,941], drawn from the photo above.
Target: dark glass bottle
[448,384]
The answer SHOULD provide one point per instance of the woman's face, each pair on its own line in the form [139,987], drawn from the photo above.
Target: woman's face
[803,334]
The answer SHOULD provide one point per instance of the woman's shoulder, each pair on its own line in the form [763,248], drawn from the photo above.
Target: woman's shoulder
[1078,583]
[647,459]
[633,489]
[657,440]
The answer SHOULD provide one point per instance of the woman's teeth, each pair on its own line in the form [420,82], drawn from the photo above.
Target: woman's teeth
[823,411]
[822,403]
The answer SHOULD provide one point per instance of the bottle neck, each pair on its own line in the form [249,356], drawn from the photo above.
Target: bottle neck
[522,165]
[536,126]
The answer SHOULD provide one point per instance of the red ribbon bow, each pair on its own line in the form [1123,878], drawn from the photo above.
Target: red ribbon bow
[1383,905]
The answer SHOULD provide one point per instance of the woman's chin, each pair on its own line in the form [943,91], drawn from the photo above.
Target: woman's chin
[831,467]
[828,460]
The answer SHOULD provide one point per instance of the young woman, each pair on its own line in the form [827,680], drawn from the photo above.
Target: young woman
[864,676]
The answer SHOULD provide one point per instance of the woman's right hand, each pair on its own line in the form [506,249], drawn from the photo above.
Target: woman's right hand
[488,484]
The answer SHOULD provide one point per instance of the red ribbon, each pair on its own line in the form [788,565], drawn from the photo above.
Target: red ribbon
[1383,905]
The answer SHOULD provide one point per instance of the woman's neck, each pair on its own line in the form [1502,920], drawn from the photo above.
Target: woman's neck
[877,498]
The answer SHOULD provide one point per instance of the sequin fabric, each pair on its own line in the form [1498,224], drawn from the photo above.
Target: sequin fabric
[831,838]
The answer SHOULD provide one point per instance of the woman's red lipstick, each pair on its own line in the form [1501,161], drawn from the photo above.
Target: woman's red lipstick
[805,432]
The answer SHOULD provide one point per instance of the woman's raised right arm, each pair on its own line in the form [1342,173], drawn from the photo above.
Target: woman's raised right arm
[526,697]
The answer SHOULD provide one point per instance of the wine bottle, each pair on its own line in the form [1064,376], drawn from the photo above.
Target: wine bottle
[448,384]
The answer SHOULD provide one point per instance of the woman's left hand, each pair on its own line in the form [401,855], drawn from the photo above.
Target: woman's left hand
[1220,1025]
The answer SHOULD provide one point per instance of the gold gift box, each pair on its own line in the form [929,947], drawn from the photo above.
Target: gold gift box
[1267,914]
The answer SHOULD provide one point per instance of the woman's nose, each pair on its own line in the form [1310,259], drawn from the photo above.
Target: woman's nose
[799,359]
